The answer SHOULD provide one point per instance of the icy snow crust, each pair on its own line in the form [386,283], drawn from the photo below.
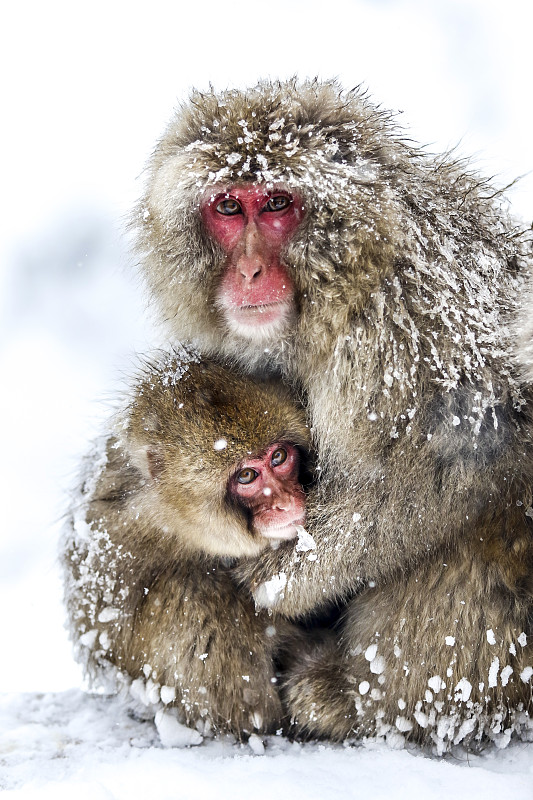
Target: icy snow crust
[90,747]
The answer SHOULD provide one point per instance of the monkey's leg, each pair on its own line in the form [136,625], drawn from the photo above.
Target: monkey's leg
[203,640]
[443,658]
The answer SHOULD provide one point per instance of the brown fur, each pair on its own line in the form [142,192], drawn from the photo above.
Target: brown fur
[149,588]
[407,271]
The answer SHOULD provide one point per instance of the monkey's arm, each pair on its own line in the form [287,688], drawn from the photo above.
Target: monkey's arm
[423,499]
[360,536]
[203,640]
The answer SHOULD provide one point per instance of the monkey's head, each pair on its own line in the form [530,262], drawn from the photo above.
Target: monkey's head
[258,206]
[223,456]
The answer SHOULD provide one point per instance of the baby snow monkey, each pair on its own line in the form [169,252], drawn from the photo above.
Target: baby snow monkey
[202,468]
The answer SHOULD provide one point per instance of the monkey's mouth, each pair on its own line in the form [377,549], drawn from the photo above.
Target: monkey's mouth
[284,532]
[265,310]
[264,320]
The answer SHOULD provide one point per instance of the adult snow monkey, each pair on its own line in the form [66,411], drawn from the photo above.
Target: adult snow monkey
[292,229]
[202,468]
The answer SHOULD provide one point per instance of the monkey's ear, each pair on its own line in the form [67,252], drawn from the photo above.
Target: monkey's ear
[148,458]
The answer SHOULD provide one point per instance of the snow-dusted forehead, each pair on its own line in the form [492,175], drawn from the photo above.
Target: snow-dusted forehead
[275,136]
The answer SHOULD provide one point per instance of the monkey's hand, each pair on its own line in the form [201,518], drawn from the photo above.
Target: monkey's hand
[287,579]
[303,574]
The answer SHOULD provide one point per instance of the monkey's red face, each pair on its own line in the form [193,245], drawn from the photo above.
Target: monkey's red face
[270,488]
[253,225]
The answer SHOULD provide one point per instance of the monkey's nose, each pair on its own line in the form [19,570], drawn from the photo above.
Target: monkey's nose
[282,501]
[249,268]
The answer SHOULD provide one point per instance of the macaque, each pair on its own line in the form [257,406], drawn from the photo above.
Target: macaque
[202,468]
[292,230]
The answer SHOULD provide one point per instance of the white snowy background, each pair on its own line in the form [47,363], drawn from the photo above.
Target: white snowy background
[86,89]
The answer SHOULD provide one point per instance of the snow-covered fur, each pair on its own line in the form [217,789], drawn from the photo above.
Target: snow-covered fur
[523,332]
[408,271]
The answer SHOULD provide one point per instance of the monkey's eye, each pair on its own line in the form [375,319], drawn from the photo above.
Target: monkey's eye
[278,457]
[278,202]
[229,207]
[247,475]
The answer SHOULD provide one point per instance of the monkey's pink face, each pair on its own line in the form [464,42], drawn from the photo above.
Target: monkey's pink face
[270,488]
[253,225]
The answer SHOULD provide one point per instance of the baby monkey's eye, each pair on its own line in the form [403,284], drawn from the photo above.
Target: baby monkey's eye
[247,475]
[278,457]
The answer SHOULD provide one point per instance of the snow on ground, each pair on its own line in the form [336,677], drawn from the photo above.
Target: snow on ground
[87,747]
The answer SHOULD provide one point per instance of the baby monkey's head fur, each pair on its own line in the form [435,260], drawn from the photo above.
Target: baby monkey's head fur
[190,425]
